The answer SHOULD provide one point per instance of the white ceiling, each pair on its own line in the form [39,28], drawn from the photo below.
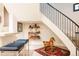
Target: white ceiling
[25,12]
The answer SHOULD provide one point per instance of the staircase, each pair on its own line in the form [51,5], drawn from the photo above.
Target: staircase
[67,28]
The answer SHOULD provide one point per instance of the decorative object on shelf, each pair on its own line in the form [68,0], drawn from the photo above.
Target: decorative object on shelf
[48,44]
[34,26]
[34,31]
[19,27]
[76,7]
[30,27]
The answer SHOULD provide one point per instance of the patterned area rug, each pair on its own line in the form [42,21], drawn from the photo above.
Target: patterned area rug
[56,51]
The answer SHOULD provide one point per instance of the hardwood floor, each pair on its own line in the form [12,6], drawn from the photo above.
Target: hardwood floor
[34,44]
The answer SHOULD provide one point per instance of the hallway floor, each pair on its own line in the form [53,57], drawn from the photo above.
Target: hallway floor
[30,47]
[34,44]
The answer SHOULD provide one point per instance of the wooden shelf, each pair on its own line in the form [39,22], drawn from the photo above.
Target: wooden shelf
[34,32]
[34,37]
[38,32]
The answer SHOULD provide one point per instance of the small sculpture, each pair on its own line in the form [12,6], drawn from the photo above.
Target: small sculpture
[49,44]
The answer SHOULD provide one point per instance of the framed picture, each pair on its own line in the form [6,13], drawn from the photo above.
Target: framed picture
[76,7]
[19,27]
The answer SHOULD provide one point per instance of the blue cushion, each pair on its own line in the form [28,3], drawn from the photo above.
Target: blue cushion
[14,46]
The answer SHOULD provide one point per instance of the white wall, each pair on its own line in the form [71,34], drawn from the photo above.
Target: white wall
[12,23]
[25,12]
[67,8]
[22,12]
[45,33]
[2,16]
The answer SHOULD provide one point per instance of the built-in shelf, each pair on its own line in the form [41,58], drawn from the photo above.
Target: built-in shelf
[6,33]
[6,17]
[34,32]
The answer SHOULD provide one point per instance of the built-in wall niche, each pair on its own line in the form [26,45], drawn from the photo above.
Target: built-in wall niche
[6,17]
[34,31]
